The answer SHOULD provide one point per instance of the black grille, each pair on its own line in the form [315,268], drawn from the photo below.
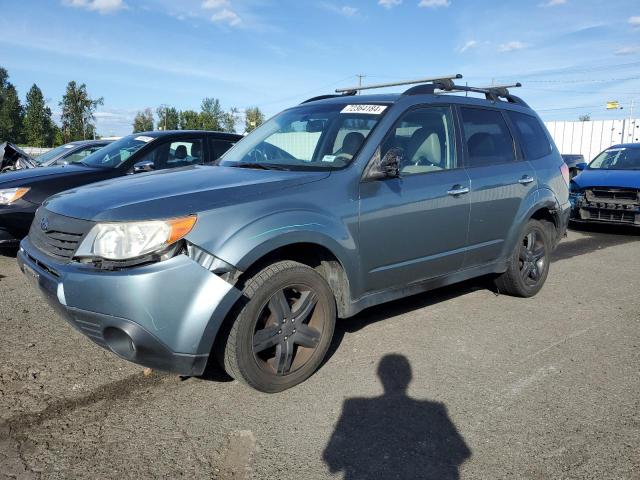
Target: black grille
[57,236]
[613,195]
[604,215]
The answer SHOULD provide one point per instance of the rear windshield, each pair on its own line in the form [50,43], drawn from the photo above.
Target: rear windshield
[45,157]
[619,158]
[309,137]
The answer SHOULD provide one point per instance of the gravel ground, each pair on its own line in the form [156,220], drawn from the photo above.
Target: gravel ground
[500,387]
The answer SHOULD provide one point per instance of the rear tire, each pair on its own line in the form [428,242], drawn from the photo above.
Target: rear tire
[283,330]
[529,262]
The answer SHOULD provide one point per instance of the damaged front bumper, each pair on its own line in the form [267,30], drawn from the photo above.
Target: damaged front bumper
[606,205]
[164,316]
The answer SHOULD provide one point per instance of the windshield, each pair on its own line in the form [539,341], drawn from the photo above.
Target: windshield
[307,137]
[45,157]
[619,158]
[114,154]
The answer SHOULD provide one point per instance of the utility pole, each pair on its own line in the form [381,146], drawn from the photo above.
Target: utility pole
[360,77]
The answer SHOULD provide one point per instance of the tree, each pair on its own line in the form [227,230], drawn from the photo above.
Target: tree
[253,119]
[584,118]
[189,120]
[143,121]
[168,117]
[211,115]
[38,126]
[11,112]
[78,110]
[229,120]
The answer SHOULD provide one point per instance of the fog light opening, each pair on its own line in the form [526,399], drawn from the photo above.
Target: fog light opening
[120,342]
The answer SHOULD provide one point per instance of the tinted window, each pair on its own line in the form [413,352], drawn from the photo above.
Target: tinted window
[487,136]
[425,139]
[80,155]
[219,148]
[533,139]
[174,154]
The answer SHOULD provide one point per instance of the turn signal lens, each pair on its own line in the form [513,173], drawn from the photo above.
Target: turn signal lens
[180,227]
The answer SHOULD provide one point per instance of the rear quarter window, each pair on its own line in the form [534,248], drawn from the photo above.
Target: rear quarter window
[533,139]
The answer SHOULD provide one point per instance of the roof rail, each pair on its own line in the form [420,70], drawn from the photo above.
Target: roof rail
[492,92]
[446,80]
[324,97]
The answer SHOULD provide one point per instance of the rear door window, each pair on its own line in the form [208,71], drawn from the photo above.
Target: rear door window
[219,147]
[533,140]
[487,137]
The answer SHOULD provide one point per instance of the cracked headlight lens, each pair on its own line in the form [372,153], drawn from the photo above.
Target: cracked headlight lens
[127,240]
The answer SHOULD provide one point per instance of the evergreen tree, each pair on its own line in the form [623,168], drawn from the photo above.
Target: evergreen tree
[38,126]
[229,120]
[11,111]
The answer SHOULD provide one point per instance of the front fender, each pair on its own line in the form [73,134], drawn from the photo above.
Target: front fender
[271,232]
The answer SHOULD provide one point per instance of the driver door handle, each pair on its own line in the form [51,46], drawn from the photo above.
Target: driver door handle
[458,190]
[526,180]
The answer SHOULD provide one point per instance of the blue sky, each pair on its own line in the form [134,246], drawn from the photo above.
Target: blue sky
[571,55]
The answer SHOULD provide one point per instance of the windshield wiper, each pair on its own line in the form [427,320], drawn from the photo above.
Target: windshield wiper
[260,166]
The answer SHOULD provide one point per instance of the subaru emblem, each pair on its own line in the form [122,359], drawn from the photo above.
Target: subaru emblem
[44,224]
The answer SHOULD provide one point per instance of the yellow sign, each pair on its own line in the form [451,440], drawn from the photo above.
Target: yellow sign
[613,105]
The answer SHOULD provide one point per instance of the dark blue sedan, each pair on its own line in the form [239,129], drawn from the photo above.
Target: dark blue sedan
[608,189]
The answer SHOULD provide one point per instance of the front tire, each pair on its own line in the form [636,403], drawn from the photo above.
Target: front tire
[529,262]
[283,331]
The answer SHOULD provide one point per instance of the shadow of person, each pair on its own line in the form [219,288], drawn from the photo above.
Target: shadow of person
[394,436]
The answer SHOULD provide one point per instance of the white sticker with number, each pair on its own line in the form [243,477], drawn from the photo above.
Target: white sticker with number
[143,138]
[368,109]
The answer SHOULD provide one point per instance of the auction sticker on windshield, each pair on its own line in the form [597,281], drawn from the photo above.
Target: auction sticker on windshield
[145,139]
[369,109]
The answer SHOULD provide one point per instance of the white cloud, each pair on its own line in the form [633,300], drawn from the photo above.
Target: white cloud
[553,3]
[101,6]
[214,4]
[389,4]
[628,50]
[434,3]
[468,46]
[345,10]
[227,16]
[635,21]
[511,46]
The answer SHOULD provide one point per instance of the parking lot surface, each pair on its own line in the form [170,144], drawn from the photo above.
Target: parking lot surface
[499,387]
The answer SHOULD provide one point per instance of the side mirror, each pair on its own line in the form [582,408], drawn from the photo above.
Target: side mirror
[144,166]
[581,166]
[384,167]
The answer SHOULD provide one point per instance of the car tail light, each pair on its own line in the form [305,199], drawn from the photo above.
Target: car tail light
[565,173]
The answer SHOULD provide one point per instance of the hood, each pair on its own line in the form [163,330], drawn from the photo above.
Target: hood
[24,177]
[173,193]
[13,158]
[608,178]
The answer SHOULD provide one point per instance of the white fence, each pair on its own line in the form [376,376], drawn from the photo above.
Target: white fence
[590,138]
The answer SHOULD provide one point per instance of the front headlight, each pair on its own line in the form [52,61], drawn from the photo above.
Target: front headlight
[127,240]
[10,195]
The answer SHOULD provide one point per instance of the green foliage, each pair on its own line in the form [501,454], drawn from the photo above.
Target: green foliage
[229,120]
[211,115]
[11,111]
[143,121]
[584,118]
[168,118]
[190,120]
[253,119]
[78,110]
[38,125]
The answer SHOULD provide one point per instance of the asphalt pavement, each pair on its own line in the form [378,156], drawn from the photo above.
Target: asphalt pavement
[457,383]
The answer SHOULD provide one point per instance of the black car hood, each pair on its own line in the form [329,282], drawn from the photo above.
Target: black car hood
[173,193]
[13,158]
[23,178]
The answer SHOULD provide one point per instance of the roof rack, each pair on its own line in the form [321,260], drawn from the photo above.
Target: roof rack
[444,80]
[431,85]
